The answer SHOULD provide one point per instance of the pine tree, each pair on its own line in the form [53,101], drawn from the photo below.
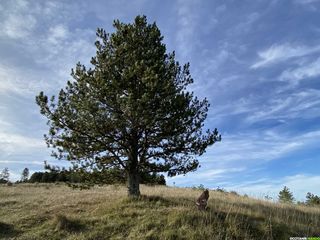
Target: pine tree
[25,175]
[312,199]
[4,175]
[131,110]
[285,196]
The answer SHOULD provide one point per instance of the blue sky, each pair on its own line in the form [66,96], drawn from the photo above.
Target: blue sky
[258,63]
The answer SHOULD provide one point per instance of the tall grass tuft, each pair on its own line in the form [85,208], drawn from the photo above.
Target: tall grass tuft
[62,223]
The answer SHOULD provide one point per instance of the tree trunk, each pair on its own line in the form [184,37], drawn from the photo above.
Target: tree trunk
[133,173]
[133,184]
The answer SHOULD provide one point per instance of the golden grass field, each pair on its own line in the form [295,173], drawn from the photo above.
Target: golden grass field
[50,211]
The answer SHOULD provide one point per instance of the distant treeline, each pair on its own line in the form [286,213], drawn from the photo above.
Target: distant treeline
[110,176]
[55,174]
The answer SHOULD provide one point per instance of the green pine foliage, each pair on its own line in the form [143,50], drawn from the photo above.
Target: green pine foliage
[285,196]
[4,176]
[131,110]
[25,175]
[312,199]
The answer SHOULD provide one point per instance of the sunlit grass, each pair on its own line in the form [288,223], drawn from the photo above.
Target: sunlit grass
[48,211]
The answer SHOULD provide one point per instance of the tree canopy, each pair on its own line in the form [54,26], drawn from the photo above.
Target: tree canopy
[312,199]
[131,110]
[285,196]
[25,175]
[4,175]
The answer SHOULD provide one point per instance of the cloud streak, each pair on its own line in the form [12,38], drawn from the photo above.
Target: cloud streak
[257,148]
[187,22]
[22,81]
[18,26]
[203,176]
[294,76]
[279,53]
[302,104]
[14,143]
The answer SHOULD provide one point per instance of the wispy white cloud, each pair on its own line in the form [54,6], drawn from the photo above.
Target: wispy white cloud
[21,81]
[4,124]
[187,23]
[51,47]
[303,104]
[17,22]
[294,76]
[254,148]
[22,162]
[306,1]
[245,25]
[11,143]
[203,176]
[62,49]
[216,173]
[282,106]
[214,63]
[243,105]
[57,33]
[18,26]
[278,53]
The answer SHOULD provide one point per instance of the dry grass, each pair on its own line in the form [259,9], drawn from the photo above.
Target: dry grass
[47,211]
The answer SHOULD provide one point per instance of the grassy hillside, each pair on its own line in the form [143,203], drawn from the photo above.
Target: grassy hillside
[58,212]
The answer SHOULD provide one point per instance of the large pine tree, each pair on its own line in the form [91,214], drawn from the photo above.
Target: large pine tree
[131,110]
